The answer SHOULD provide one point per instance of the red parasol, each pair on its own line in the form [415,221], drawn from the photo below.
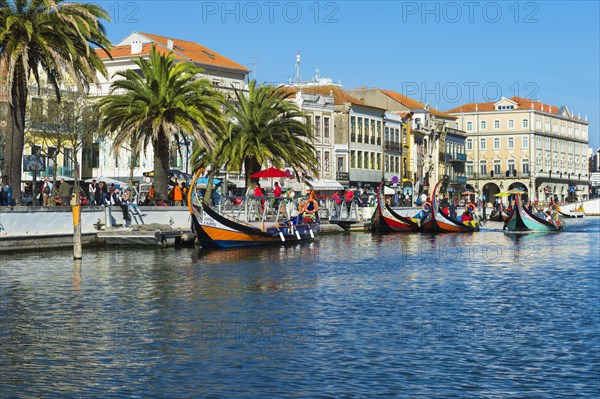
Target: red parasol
[270,173]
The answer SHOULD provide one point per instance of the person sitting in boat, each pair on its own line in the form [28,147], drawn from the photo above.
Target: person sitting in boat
[466,216]
[446,211]
[452,210]
[548,217]
[444,201]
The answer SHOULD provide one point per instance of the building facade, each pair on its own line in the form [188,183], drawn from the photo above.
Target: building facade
[223,73]
[422,142]
[525,144]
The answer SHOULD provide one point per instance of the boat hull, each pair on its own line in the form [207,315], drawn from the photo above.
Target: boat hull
[523,220]
[386,220]
[436,222]
[214,230]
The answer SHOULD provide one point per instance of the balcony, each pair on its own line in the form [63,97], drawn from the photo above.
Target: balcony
[460,158]
[455,132]
[342,176]
[460,179]
[392,146]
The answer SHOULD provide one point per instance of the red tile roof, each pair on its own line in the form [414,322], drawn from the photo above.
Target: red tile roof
[339,96]
[182,49]
[522,103]
[414,104]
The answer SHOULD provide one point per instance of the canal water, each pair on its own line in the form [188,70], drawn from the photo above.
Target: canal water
[484,315]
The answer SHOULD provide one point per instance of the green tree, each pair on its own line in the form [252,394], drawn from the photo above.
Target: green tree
[263,127]
[44,39]
[162,104]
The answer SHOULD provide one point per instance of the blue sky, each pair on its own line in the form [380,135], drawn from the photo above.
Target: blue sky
[442,53]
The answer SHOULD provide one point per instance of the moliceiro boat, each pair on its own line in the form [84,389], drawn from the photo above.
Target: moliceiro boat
[215,229]
[576,212]
[384,219]
[522,220]
[436,221]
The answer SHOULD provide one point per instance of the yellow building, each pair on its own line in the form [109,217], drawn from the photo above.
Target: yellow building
[525,144]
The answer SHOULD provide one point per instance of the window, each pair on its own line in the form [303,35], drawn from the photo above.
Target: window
[326,128]
[326,161]
[360,126]
[496,124]
[525,123]
[469,144]
[52,152]
[496,143]
[482,144]
[547,126]
[68,158]
[372,160]
[511,167]
[317,125]
[353,127]
[511,124]
[482,168]
[366,131]
[387,163]
[525,166]
[511,143]
[91,156]
[483,125]
[538,124]
[469,126]
[497,167]
[562,129]
[555,127]
[378,161]
[352,159]
[570,131]
[470,169]
[360,160]
[366,164]
[525,142]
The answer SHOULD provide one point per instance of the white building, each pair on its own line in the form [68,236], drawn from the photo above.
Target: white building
[218,69]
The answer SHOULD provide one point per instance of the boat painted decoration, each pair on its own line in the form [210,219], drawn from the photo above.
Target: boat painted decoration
[384,218]
[436,221]
[214,229]
[522,220]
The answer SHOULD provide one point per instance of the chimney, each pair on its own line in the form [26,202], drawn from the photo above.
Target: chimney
[136,47]
[170,44]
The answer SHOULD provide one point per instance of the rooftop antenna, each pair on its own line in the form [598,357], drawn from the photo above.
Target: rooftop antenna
[317,75]
[254,61]
[298,67]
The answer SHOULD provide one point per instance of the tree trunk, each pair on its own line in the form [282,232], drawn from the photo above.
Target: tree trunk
[251,166]
[15,137]
[209,186]
[161,167]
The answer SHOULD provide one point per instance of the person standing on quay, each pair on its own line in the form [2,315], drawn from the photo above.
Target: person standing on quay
[47,192]
[92,192]
[177,195]
[64,192]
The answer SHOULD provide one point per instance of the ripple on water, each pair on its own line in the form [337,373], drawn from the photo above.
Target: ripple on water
[475,315]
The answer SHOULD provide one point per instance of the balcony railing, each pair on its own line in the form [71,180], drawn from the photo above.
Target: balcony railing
[392,146]
[455,132]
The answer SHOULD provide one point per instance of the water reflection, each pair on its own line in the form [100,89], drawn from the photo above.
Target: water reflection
[360,312]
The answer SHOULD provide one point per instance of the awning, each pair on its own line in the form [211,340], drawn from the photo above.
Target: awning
[325,184]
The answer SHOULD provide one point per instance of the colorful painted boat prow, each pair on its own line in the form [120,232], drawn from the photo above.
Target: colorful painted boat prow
[521,219]
[385,219]
[437,222]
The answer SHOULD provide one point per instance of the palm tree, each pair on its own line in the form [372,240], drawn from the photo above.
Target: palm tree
[44,39]
[164,103]
[264,127]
